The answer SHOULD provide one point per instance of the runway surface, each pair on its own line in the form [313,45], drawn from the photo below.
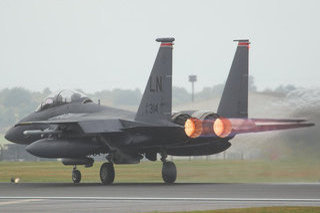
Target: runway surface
[146,197]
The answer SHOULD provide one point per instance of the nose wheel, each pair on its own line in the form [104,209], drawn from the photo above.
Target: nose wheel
[107,173]
[76,175]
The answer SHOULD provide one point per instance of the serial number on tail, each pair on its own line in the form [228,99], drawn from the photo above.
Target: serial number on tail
[152,108]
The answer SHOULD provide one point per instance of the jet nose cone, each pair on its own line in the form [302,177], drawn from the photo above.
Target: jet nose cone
[29,148]
[13,135]
[10,135]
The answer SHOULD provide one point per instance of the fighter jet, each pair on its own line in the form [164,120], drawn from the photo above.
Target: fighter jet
[68,125]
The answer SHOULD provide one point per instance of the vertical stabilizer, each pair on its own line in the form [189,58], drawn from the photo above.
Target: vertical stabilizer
[156,102]
[234,100]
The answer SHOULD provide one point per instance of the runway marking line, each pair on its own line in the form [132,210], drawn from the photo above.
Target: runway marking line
[19,201]
[166,199]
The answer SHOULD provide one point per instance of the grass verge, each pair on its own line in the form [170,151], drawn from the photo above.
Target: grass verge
[212,171]
[286,209]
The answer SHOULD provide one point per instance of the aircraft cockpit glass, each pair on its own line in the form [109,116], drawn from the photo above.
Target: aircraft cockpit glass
[63,97]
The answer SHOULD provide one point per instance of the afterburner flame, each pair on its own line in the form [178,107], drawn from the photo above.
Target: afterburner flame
[193,127]
[222,127]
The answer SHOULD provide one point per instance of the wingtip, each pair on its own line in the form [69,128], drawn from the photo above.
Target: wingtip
[167,39]
[243,42]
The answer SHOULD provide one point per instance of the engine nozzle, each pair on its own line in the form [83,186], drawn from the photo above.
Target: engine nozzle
[193,127]
[222,127]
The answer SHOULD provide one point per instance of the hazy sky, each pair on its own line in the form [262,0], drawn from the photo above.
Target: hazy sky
[95,45]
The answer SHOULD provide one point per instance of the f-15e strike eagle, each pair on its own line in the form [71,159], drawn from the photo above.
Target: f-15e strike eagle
[70,126]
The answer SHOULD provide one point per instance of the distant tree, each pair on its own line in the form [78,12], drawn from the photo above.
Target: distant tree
[285,89]
[217,90]
[180,95]
[46,92]
[17,102]
[8,117]
[105,96]
[210,92]
[14,104]
[16,97]
[1,152]
[126,97]
[205,93]
[80,90]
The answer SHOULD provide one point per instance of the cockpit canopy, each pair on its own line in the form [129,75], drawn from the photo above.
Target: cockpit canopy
[63,97]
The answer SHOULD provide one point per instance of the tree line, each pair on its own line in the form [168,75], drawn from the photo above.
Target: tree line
[17,102]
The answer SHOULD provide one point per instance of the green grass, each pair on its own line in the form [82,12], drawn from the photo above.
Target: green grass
[285,209]
[3,140]
[214,171]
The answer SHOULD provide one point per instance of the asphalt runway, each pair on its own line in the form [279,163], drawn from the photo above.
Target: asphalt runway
[146,197]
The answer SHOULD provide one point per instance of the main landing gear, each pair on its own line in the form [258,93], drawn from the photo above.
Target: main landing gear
[107,173]
[76,175]
[169,170]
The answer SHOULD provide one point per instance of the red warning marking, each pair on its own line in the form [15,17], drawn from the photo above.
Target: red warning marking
[246,44]
[166,44]
[243,43]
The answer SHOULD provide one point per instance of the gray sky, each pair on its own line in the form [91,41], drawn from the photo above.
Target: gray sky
[95,45]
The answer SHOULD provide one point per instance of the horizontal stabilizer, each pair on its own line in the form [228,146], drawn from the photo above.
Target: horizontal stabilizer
[277,120]
[229,127]
[252,125]
[273,127]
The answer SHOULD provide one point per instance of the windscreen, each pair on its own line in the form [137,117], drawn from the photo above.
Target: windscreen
[62,97]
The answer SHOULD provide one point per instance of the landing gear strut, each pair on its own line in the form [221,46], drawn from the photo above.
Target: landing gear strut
[76,175]
[169,170]
[107,173]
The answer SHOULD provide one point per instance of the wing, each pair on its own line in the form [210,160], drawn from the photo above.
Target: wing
[92,124]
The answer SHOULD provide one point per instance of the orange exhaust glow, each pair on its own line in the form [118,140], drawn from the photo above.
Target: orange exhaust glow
[207,130]
[222,127]
[193,127]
